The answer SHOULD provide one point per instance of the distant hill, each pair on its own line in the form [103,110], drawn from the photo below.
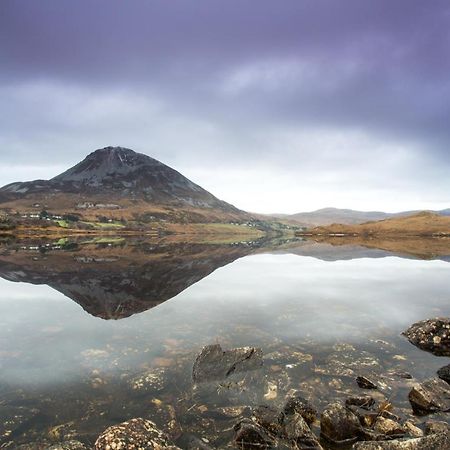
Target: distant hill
[118,178]
[328,216]
[421,224]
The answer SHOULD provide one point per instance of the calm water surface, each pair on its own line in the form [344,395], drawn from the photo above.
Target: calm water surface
[319,323]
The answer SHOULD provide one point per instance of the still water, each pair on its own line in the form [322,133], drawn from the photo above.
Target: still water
[116,334]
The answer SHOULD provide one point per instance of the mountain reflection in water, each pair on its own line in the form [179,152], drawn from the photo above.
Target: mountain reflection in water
[321,313]
[121,278]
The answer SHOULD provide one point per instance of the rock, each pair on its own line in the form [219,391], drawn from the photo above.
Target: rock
[435,442]
[249,435]
[444,373]
[388,427]
[412,430]
[365,383]
[433,427]
[194,443]
[154,380]
[431,335]
[430,396]
[68,445]
[338,424]
[134,434]
[296,430]
[364,402]
[212,363]
[268,417]
[299,405]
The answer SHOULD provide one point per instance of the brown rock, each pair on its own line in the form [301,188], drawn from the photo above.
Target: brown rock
[430,396]
[338,424]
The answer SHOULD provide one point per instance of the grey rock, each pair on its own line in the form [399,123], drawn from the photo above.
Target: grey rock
[212,363]
[430,396]
[431,335]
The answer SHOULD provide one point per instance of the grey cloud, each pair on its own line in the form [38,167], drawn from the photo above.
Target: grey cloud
[247,83]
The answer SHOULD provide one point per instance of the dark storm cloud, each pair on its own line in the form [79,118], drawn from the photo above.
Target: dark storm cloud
[243,79]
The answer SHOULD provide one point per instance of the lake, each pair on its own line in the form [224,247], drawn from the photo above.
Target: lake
[97,332]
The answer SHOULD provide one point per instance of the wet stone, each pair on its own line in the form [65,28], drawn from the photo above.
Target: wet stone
[430,396]
[444,373]
[365,383]
[133,435]
[364,402]
[339,425]
[435,426]
[268,417]
[299,405]
[212,363]
[431,335]
[249,435]
[388,427]
[439,441]
[297,431]
[412,429]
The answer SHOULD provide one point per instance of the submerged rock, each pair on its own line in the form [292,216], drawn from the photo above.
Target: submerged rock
[431,335]
[133,435]
[439,441]
[444,373]
[212,363]
[339,424]
[430,396]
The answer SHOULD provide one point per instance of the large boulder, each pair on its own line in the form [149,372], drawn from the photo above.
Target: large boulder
[432,335]
[134,434]
[430,396]
[339,425]
[213,363]
[439,441]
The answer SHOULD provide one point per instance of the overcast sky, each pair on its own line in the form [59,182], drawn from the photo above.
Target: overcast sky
[274,106]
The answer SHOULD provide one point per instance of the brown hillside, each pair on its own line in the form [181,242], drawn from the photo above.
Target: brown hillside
[421,224]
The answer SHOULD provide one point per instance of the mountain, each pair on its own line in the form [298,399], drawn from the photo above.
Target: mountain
[328,216]
[118,184]
[424,223]
[121,172]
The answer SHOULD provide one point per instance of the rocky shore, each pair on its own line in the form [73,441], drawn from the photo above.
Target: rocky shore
[259,406]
